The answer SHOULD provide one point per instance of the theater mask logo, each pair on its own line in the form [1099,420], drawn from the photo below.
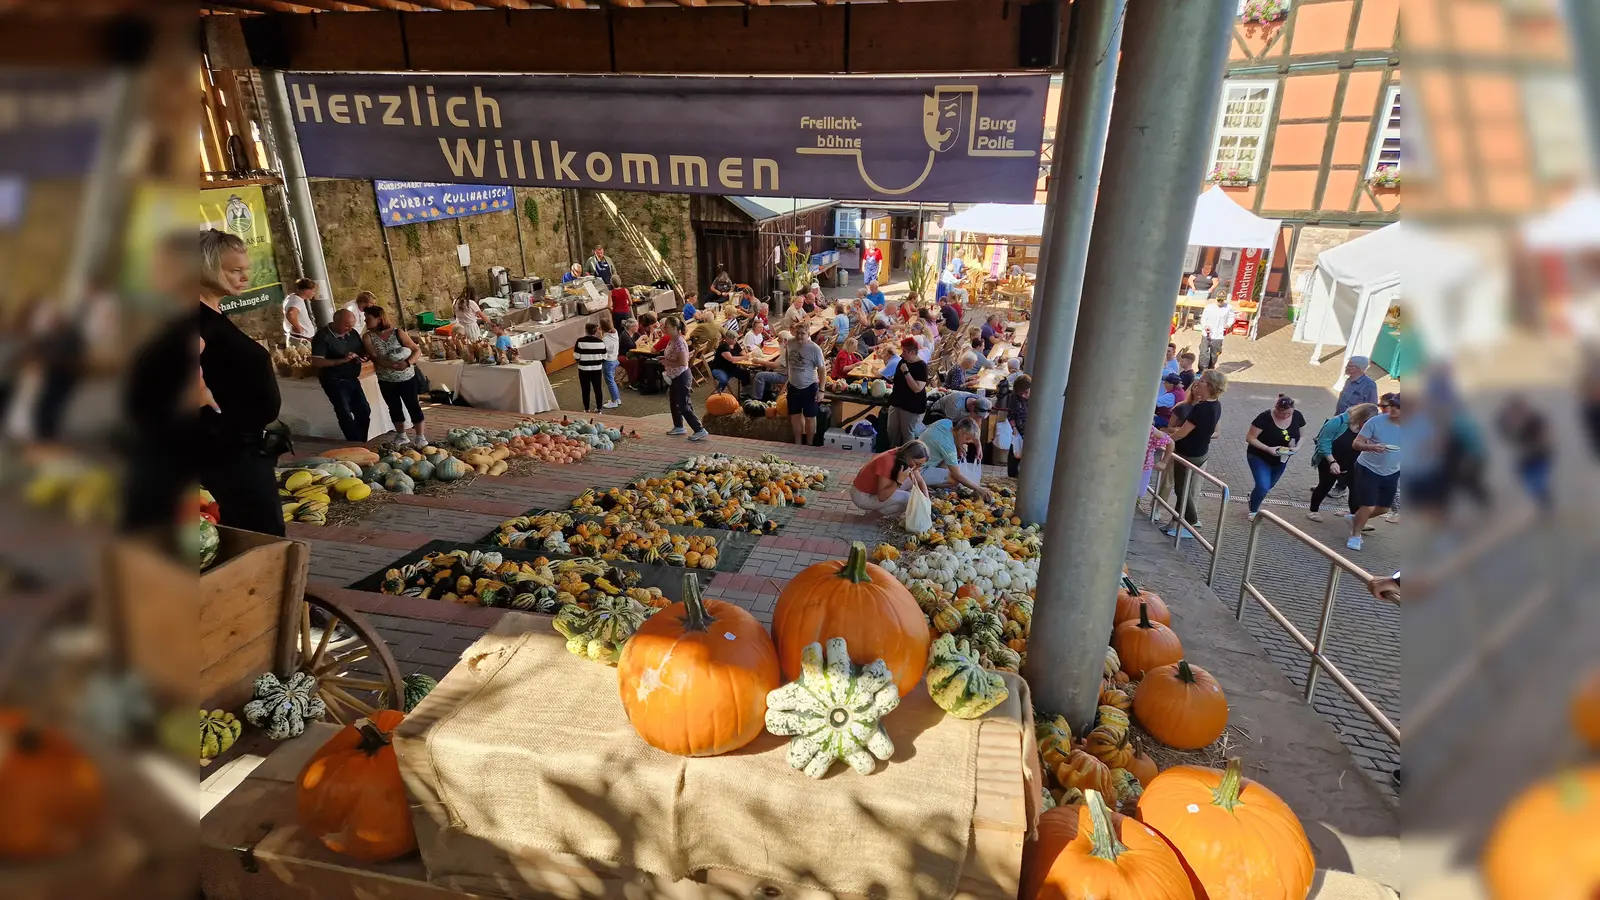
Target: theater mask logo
[942,115]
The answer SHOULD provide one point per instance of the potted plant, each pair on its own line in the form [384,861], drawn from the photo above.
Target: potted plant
[1230,176]
[1263,12]
[1386,178]
[921,274]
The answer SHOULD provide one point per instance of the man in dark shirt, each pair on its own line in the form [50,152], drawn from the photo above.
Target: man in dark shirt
[948,313]
[336,354]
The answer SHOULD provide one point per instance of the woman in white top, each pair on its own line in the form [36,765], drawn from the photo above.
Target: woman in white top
[919,333]
[469,316]
[608,336]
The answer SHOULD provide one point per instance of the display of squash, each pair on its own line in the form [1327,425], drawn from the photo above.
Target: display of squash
[417,686]
[958,683]
[1129,596]
[1543,844]
[1084,772]
[52,800]
[1181,706]
[282,709]
[833,711]
[600,631]
[1239,840]
[858,601]
[722,403]
[695,677]
[350,794]
[1143,645]
[1586,710]
[1088,852]
[218,731]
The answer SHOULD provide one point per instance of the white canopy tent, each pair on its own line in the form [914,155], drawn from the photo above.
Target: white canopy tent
[1220,222]
[1567,236]
[1574,225]
[1000,219]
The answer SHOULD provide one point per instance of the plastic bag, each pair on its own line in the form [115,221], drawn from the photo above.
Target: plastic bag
[1002,436]
[919,512]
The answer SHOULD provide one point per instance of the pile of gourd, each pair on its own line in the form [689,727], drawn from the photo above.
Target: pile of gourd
[539,439]
[400,471]
[991,566]
[712,491]
[967,516]
[610,538]
[486,578]
[876,388]
[306,493]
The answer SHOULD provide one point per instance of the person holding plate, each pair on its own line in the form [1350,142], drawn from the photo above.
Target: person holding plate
[1274,436]
[1377,468]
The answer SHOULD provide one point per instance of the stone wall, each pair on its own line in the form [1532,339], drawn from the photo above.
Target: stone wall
[648,235]
[545,233]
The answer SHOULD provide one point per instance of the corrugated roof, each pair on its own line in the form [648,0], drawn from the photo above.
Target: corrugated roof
[764,208]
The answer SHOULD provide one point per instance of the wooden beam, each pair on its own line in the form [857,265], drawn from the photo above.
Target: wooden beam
[533,4]
[259,6]
[448,5]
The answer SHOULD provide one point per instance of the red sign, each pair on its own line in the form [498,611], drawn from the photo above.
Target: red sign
[1244,277]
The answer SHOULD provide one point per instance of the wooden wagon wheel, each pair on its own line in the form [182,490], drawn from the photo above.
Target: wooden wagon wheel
[330,645]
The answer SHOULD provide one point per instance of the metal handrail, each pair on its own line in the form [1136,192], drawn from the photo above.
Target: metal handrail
[1337,565]
[1212,546]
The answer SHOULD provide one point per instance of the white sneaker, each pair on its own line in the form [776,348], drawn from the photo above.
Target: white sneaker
[679,430]
[420,442]
[404,440]
[613,404]
[700,435]
[1314,516]
[1392,518]
[1354,543]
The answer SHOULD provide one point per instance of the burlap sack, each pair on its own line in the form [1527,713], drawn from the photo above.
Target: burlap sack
[524,747]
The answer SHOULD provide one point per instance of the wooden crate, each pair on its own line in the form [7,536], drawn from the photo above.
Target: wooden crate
[243,624]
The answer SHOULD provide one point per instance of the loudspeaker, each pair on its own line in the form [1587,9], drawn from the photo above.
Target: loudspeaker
[269,41]
[1037,26]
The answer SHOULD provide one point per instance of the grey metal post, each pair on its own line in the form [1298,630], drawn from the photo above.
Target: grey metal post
[1170,79]
[280,118]
[1583,30]
[1326,619]
[1084,115]
[105,191]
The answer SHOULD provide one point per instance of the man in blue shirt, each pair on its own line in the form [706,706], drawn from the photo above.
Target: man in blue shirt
[689,311]
[875,297]
[1377,468]
[1358,388]
[949,443]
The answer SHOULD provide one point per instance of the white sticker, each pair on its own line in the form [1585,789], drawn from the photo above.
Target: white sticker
[1193,808]
[728,635]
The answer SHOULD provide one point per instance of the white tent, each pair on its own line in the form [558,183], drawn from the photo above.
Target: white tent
[1220,222]
[1001,219]
[1574,225]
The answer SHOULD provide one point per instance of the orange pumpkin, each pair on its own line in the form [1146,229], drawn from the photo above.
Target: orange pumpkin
[351,796]
[1113,696]
[721,403]
[1143,645]
[1128,606]
[1143,768]
[1181,706]
[1586,710]
[1088,852]
[695,676]
[860,602]
[51,797]
[1239,839]
[1084,772]
[1543,845]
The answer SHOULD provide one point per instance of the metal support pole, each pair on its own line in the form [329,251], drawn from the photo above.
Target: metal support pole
[1583,30]
[1328,596]
[105,192]
[280,118]
[1169,83]
[1083,116]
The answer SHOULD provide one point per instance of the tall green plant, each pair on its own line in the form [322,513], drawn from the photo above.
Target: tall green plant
[921,274]
[795,274]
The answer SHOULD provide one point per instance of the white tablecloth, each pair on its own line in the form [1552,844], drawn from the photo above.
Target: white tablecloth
[522,387]
[307,412]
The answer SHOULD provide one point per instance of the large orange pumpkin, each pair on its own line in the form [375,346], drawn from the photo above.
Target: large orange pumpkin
[1544,845]
[351,796]
[1128,600]
[1181,706]
[695,676]
[1239,839]
[51,797]
[1143,645]
[1586,710]
[860,602]
[1088,852]
[722,403]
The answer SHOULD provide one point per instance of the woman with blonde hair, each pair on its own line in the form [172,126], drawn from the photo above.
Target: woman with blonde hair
[1194,424]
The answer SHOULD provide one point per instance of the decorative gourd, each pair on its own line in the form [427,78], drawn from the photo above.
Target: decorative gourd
[1239,840]
[51,797]
[218,730]
[1116,698]
[350,794]
[755,409]
[958,684]
[210,541]
[1109,745]
[1088,852]
[1143,645]
[283,708]
[858,601]
[1113,664]
[780,408]
[1543,845]
[448,468]
[721,403]
[1181,706]
[1112,717]
[1143,767]
[878,388]
[1586,710]
[599,632]
[1128,786]
[833,711]
[422,471]
[1084,772]
[398,482]
[417,686]
[1128,600]
[695,677]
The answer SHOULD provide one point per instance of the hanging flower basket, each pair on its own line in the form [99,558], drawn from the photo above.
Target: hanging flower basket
[1264,12]
[1230,176]
[1386,179]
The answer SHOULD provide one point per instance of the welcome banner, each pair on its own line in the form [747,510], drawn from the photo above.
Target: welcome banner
[940,139]
[407,202]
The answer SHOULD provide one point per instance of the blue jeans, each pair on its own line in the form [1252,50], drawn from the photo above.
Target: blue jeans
[722,377]
[350,407]
[609,371]
[1266,474]
[766,379]
[1535,474]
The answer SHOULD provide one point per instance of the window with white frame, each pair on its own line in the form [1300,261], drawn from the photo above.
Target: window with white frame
[1554,107]
[1242,128]
[1386,145]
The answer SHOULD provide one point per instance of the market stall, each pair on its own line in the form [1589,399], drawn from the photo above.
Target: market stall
[1565,246]
[1222,223]
[308,413]
[1007,235]
[517,387]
